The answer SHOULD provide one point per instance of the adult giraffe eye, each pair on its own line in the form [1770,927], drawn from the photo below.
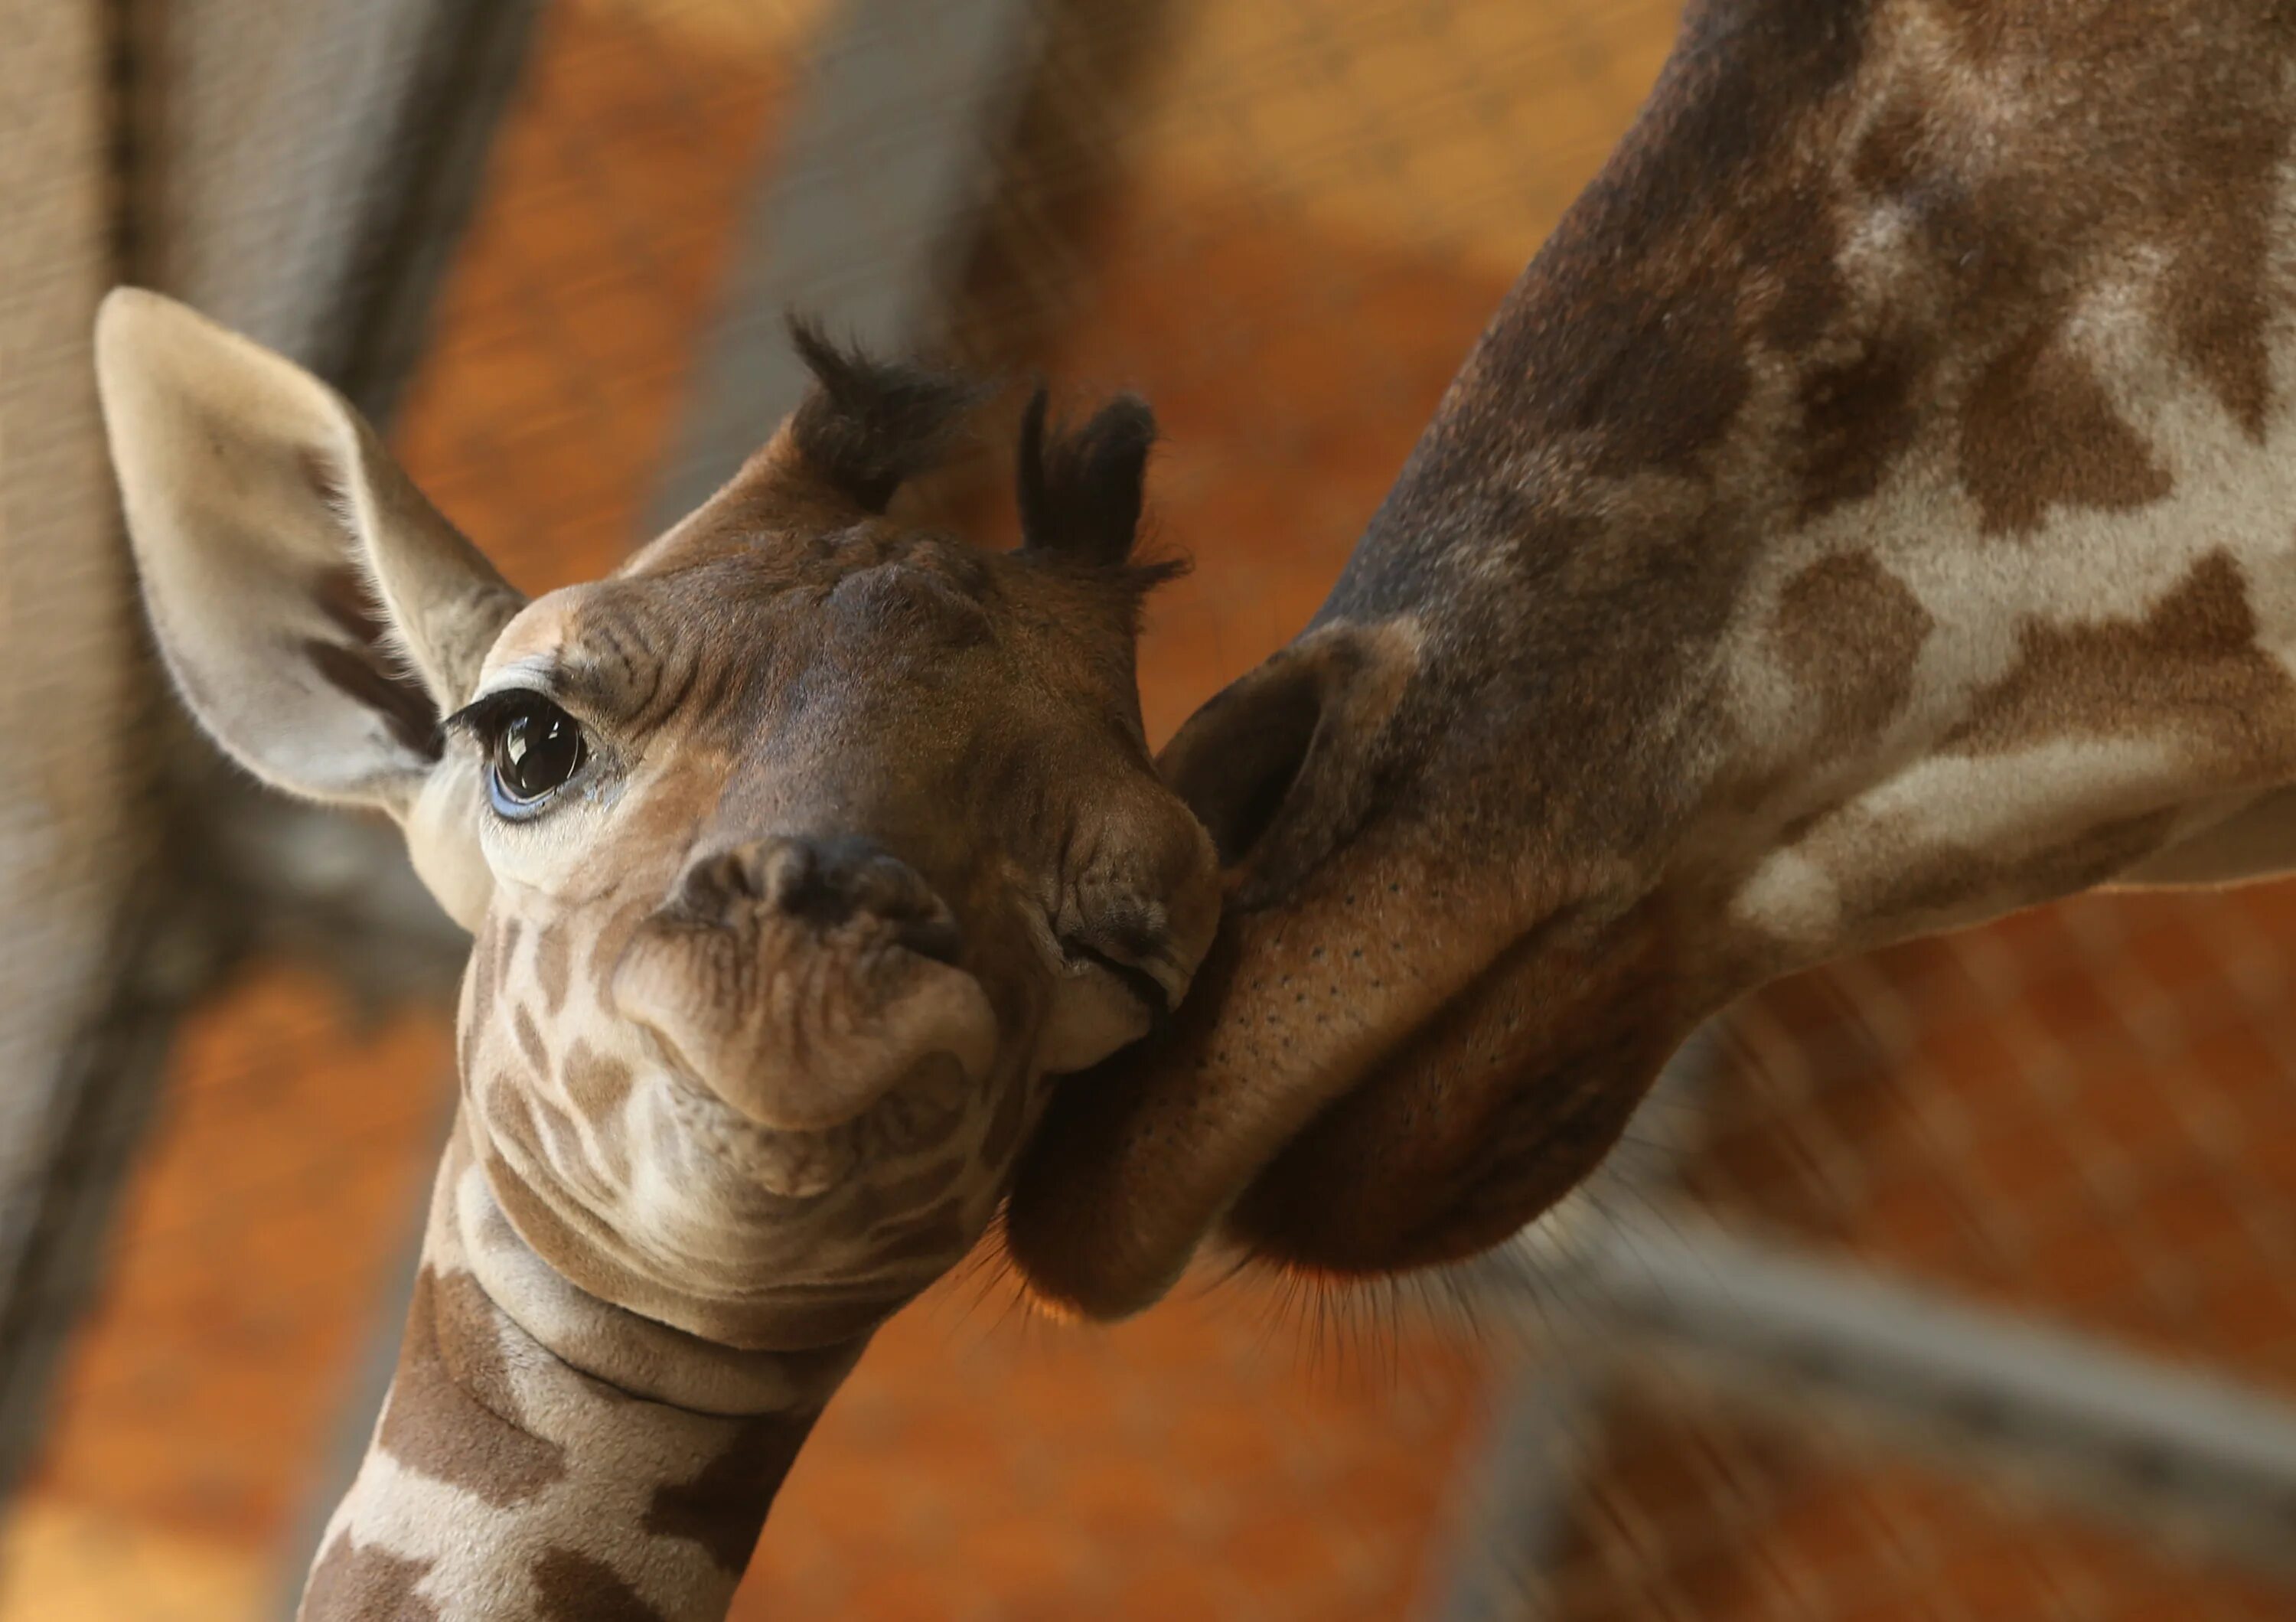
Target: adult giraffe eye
[539,746]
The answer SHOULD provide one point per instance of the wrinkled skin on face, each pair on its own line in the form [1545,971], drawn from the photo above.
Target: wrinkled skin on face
[797,854]
[865,843]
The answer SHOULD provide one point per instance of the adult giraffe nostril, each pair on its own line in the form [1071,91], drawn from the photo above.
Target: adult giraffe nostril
[1282,766]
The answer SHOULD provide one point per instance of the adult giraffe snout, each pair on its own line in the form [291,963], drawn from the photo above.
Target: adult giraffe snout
[1867,516]
[1406,1042]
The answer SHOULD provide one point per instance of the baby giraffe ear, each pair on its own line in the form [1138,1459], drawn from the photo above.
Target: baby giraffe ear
[1081,492]
[317,613]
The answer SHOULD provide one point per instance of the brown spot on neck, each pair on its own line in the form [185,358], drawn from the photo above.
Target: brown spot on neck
[1848,633]
[357,1583]
[1629,342]
[1858,418]
[723,1508]
[572,1588]
[2190,671]
[2039,431]
[452,1414]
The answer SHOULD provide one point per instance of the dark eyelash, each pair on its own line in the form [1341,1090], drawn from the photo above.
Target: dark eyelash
[485,717]
[1141,984]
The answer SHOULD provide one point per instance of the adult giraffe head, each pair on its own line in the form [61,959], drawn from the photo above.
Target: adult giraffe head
[796,851]
[1875,510]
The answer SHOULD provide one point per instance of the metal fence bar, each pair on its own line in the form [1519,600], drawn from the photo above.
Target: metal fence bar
[1516,1502]
[2112,1426]
[83,929]
[914,95]
[1516,1494]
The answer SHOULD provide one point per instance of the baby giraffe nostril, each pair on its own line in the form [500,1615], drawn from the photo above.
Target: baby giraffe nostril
[744,873]
[804,882]
[801,979]
[827,883]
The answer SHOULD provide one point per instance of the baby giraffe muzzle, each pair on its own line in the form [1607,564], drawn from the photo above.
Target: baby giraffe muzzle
[800,978]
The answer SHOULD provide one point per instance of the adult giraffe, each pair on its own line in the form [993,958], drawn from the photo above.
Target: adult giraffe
[1872,513]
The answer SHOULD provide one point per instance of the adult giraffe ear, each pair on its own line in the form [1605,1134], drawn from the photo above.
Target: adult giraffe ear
[317,613]
[1281,765]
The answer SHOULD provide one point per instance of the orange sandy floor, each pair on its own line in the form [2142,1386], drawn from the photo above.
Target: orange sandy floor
[2083,1112]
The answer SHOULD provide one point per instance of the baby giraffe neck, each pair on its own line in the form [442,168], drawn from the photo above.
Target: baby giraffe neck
[504,1481]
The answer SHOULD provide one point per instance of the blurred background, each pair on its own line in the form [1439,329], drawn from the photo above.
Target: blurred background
[1958,1283]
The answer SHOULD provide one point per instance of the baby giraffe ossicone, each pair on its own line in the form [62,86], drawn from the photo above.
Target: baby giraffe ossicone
[797,854]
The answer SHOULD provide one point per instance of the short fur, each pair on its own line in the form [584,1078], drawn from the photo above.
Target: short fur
[860,844]
[1869,513]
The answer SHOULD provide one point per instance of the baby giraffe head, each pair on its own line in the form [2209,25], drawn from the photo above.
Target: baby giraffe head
[797,852]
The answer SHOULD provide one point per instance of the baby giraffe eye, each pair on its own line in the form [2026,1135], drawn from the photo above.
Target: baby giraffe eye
[538,747]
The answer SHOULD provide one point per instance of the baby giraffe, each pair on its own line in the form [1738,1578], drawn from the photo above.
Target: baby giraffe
[797,852]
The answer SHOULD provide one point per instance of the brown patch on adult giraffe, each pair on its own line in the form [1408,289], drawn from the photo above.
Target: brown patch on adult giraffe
[2039,431]
[360,1583]
[2000,246]
[1948,880]
[570,1586]
[2191,129]
[2189,672]
[1629,337]
[2214,301]
[1849,632]
[452,1415]
[1858,419]
[2216,295]
[724,1507]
